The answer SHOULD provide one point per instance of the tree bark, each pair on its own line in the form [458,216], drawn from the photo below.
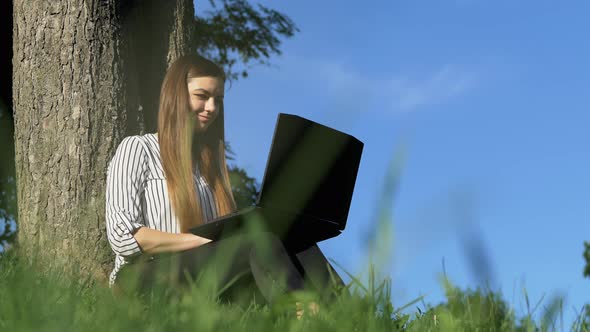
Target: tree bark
[86,73]
[156,33]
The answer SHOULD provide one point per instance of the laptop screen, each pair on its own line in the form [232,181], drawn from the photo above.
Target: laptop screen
[311,170]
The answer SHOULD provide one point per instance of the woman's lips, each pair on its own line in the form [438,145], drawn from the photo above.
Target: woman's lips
[204,118]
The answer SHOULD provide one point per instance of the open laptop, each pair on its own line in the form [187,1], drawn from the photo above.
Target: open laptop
[307,185]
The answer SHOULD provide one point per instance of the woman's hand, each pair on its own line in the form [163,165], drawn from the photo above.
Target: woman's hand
[153,241]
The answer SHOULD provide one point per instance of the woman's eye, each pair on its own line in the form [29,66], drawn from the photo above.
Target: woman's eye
[202,97]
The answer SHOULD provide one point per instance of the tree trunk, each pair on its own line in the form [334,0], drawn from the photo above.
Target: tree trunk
[156,32]
[86,73]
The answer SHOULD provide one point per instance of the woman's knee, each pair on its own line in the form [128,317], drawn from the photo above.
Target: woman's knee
[268,247]
[267,240]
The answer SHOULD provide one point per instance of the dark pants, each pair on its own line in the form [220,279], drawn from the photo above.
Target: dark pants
[261,256]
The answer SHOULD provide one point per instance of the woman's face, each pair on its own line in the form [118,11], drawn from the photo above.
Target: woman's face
[206,100]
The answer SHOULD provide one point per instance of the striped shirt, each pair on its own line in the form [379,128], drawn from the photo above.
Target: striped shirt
[137,196]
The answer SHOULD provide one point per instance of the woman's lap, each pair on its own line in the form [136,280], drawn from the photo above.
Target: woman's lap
[216,264]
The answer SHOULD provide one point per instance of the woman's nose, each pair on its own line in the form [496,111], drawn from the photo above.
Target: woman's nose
[210,105]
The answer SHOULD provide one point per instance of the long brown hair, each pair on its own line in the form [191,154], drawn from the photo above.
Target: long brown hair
[178,142]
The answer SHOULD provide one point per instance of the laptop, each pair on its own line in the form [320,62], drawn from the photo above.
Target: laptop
[307,186]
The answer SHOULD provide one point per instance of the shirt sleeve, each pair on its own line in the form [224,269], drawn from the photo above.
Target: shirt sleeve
[125,184]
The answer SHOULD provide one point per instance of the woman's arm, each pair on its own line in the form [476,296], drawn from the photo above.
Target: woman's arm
[153,241]
[125,180]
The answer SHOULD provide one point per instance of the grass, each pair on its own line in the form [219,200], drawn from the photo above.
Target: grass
[33,298]
[52,301]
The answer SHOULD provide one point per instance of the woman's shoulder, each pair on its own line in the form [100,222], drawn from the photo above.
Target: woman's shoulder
[143,149]
[145,144]
[147,147]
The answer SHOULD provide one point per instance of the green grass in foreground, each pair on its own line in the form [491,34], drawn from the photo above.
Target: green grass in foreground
[52,301]
[33,299]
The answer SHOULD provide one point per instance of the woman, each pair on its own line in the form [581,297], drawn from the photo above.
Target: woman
[161,185]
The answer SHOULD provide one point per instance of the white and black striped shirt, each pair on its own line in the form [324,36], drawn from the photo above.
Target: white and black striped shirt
[137,196]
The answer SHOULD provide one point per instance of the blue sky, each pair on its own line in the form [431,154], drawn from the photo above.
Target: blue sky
[489,102]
